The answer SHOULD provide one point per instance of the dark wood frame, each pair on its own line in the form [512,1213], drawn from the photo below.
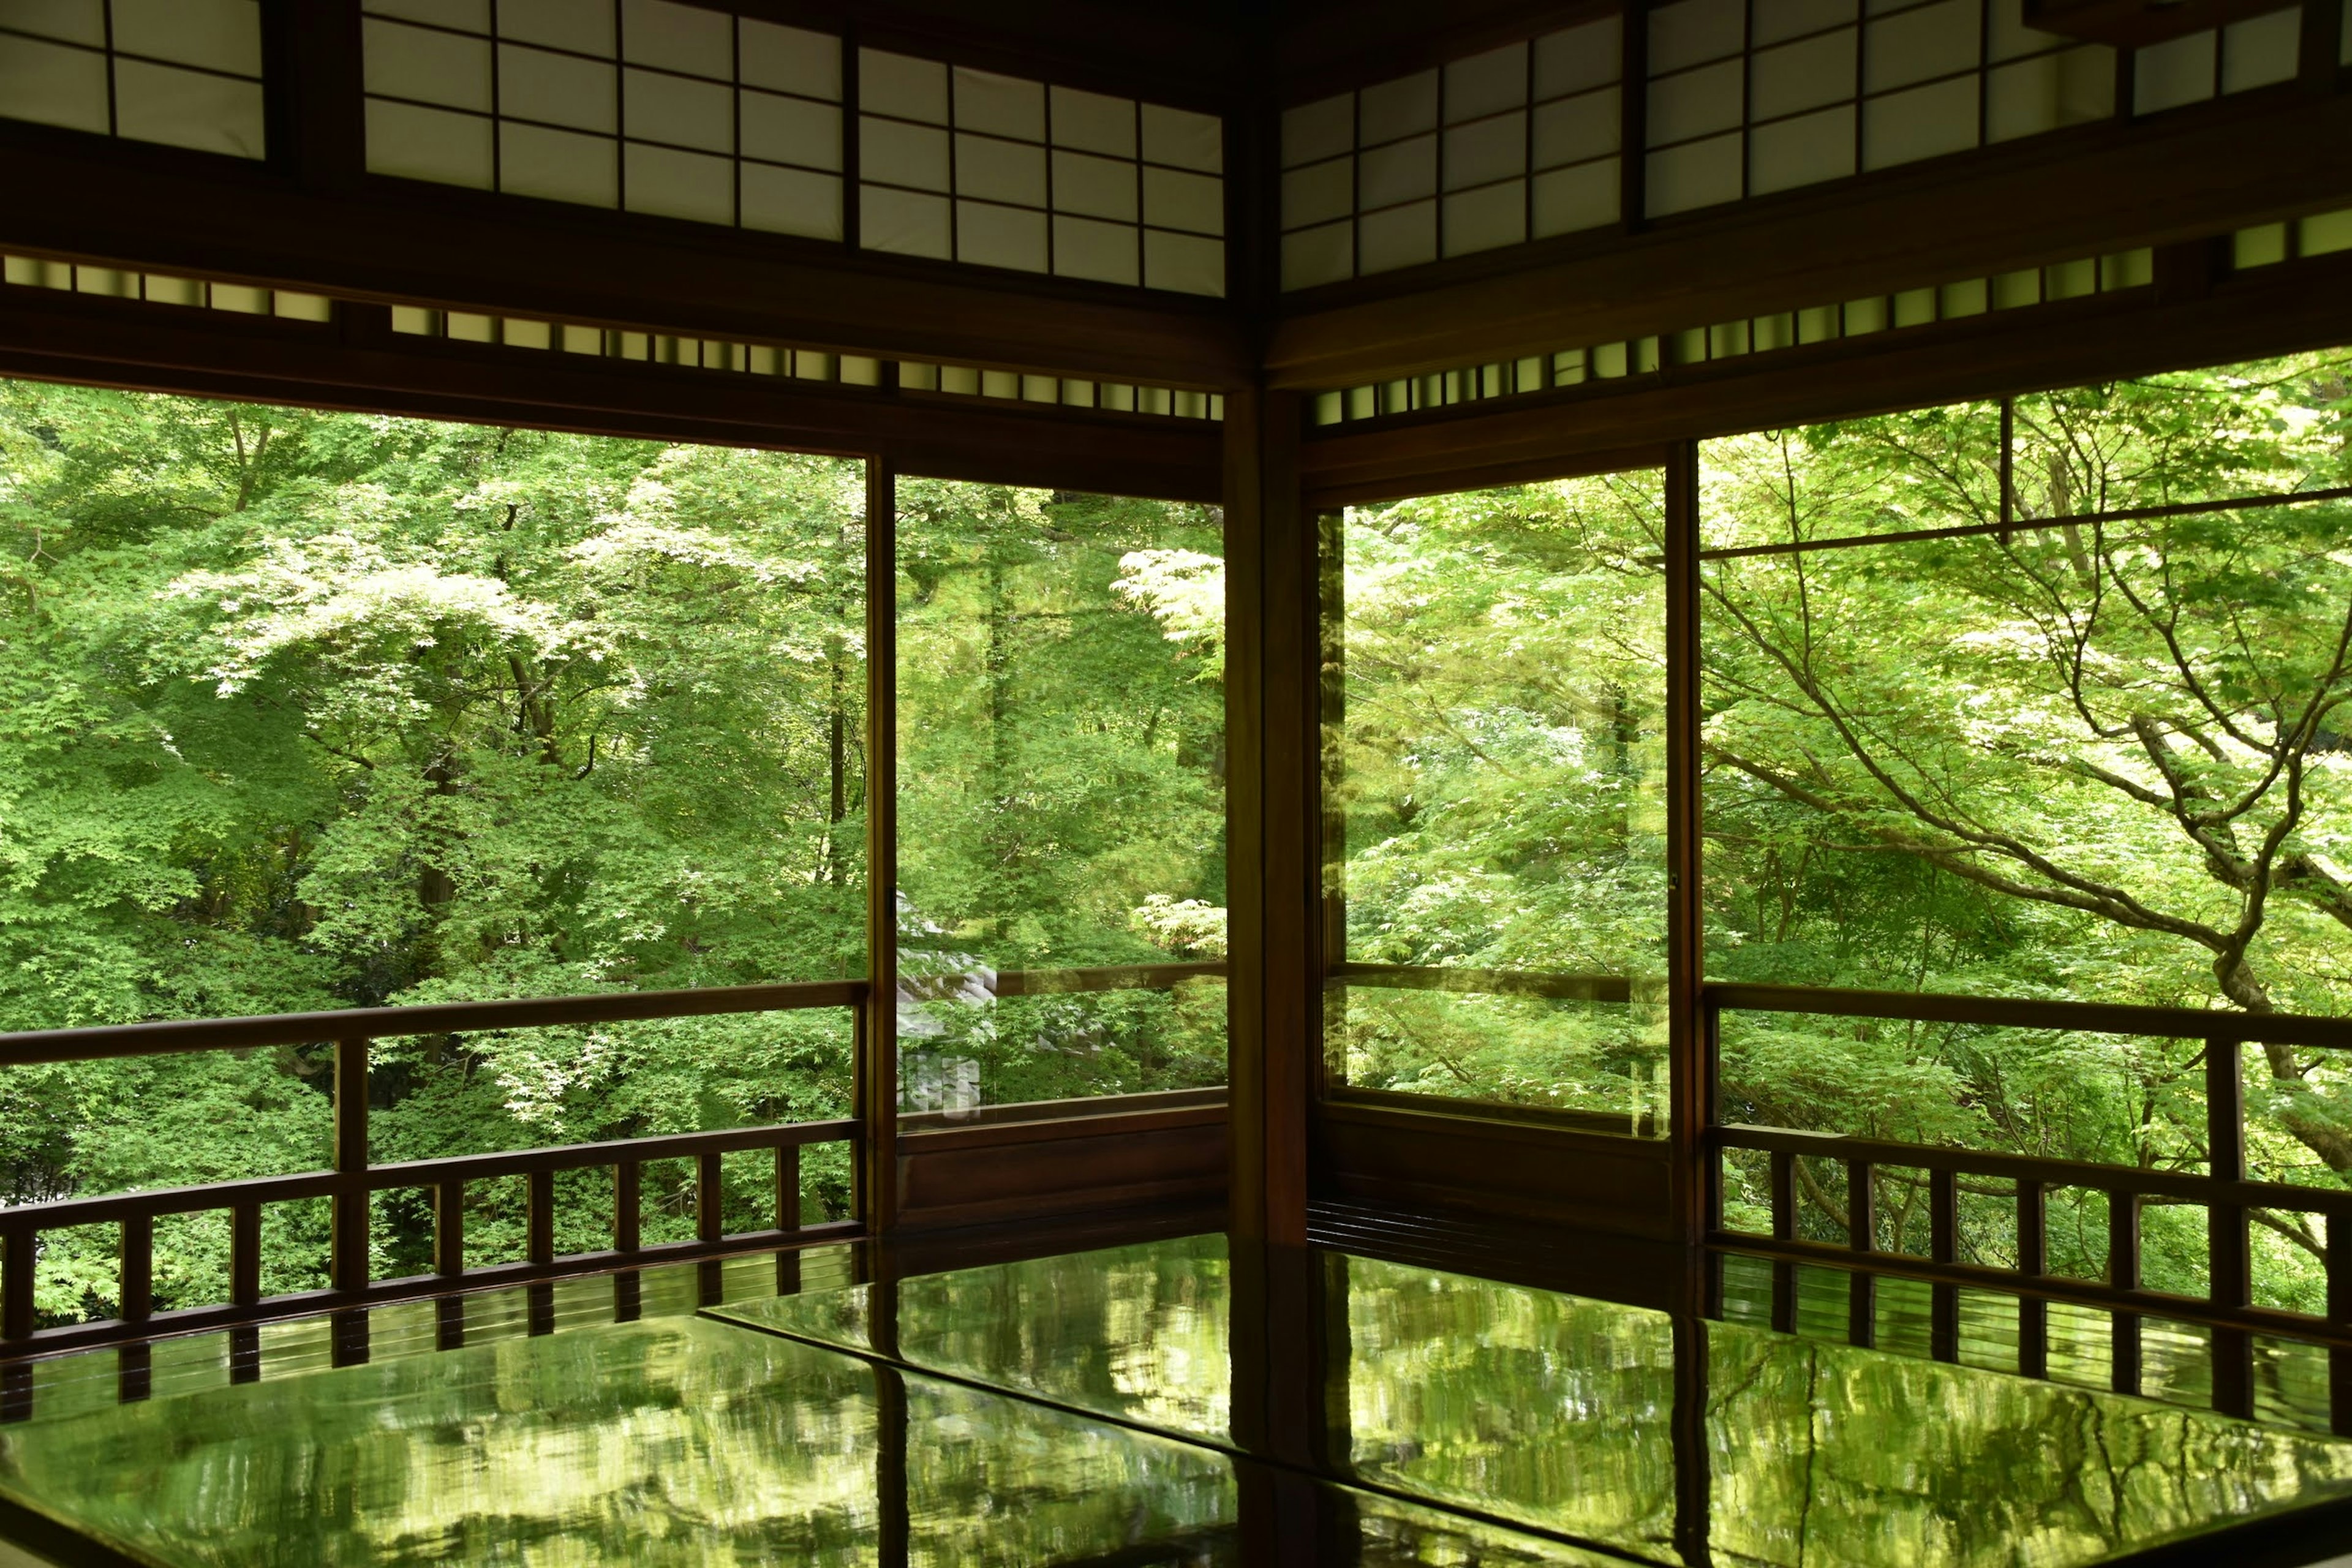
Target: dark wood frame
[312,220]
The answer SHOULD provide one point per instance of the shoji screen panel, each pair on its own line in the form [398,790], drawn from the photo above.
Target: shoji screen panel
[640,105]
[1747,99]
[186,73]
[967,165]
[1513,145]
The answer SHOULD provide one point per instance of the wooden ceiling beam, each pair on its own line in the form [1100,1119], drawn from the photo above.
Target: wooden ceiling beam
[2272,310]
[2076,193]
[396,241]
[106,343]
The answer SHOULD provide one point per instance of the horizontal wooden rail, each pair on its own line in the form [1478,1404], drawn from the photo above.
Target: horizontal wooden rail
[171,1036]
[2037,1288]
[979,984]
[183,1321]
[354,1179]
[1489,982]
[2183,1186]
[114,1207]
[2017,1013]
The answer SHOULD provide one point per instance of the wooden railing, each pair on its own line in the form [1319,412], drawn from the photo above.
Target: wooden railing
[350,1185]
[351,1182]
[2222,1191]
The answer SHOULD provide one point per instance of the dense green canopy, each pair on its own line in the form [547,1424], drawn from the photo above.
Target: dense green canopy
[308,711]
[2101,760]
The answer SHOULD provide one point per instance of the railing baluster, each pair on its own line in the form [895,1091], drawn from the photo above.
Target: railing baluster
[539,1217]
[1784,1228]
[449,1228]
[788,1186]
[19,1244]
[450,1323]
[244,1352]
[628,1205]
[788,1216]
[1944,1247]
[2339,1312]
[709,1198]
[244,1254]
[2033,1261]
[2230,1263]
[135,1286]
[2123,1273]
[1862,1236]
[348,1264]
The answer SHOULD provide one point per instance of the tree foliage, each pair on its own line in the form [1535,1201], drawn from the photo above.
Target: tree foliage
[305,710]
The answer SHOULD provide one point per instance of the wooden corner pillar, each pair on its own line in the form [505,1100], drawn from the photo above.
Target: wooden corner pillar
[1691,1028]
[874,1050]
[1273,653]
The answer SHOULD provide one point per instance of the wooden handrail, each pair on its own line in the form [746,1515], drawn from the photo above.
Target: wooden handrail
[172,1035]
[2184,1185]
[2019,1012]
[111,1207]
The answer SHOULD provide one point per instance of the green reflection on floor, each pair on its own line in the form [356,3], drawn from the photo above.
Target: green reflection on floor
[677,1442]
[1558,1411]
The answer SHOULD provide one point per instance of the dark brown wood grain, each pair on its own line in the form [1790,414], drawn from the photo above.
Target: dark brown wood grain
[2101,189]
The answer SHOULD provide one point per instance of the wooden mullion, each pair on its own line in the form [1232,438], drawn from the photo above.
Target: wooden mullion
[875,1196]
[1690,1067]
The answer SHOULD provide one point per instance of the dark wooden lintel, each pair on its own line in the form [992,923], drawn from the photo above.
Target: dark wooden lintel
[2094,191]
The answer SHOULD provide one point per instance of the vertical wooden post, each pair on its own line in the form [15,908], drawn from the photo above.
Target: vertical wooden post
[449,1228]
[2032,1259]
[710,1197]
[244,1290]
[348,1262]
[1862,1237]
[244,1254]
[1784,1228]
[788,1186]
[875,1034]
[1634,128]
[2339,1312]
[628,1206]
[1690,1046]
[1944,1247]
[539,1217]
[2229,1271]
[1272,701]
[136,1284]
[2123,1273]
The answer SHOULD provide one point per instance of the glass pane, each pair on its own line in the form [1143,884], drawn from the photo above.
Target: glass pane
[1061,796]
[325,710]
[1495,681]
[2094,760]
